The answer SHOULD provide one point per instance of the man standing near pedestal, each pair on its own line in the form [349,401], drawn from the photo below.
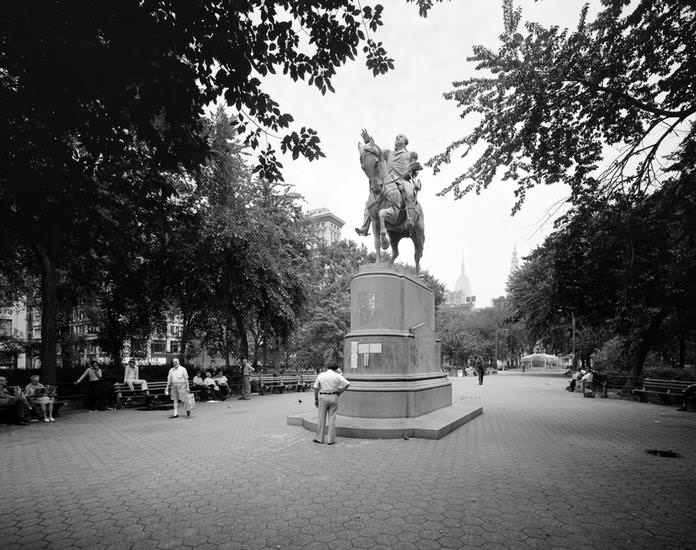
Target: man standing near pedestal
[327,387]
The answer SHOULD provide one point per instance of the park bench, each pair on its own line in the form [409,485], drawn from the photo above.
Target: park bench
[665,388]
[153,398]
[62,400]
[68,397]
[59,401]
[268,383]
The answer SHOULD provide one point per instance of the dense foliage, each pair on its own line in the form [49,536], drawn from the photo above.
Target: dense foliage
[598,107]
[607,108]
[103,104]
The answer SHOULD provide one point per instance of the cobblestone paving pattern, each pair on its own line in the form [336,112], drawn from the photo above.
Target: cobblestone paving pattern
[542,468]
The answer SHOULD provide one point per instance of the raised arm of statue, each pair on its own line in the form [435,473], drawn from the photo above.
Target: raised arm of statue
[366,137]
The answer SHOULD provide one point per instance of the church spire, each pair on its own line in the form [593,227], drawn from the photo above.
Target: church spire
[514,261]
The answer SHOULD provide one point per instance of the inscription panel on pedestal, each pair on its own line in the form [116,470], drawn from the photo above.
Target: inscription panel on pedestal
[362,352]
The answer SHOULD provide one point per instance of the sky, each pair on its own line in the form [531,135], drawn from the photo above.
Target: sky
[429,55]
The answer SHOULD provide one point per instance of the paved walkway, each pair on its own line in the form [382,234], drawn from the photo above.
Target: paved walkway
[542,468]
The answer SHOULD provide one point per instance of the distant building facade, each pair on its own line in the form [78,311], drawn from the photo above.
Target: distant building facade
[23,325]
[14,327]
[325,224]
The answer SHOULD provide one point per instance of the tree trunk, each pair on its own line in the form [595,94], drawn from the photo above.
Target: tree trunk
[241,332]
[185,330]
[225,343]
[264,353]
[116,353]
[49,317]
[645,344]
[111,338]
[276,357]
[683,331]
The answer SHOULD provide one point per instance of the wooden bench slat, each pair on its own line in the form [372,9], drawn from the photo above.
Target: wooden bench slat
[269,382]
[664,387]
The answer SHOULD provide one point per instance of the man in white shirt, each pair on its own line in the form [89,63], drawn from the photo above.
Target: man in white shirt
[327,387]
[132,375]
[221,381]
[586,381]
[179,381]
[213,389]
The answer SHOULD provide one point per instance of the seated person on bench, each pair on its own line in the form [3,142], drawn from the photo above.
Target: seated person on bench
[221,381]
[575,378]
[131,376]
[213,388]
[16,402]
[37,394]
[586,381]
[199,385]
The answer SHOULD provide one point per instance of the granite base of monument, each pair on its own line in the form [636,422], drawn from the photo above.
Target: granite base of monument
[392,360]
[432,425]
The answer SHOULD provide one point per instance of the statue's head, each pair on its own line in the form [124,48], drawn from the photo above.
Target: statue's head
[400,142]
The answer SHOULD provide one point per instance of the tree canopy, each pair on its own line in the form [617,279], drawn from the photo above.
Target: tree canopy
[608,109]
[102,102]
[600,108]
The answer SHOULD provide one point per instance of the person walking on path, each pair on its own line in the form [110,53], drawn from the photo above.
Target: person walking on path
[178,381]
[247,371]
[95,391]
[327,387]
[480,368]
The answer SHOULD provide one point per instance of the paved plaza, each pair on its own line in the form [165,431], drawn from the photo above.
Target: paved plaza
[541,468]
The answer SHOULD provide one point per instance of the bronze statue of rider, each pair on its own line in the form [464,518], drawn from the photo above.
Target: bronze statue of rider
[403,168]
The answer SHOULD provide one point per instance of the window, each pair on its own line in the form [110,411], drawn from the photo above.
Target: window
[174,346]
[138,347]
[8,359]
[6,327]
[158,346]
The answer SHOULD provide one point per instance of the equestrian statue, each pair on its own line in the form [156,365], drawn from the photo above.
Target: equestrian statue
[392,207]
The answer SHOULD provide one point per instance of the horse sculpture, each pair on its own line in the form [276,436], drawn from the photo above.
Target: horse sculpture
[388,211]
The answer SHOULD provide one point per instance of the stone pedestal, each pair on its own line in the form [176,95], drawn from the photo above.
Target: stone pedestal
[391,355]
[392,360]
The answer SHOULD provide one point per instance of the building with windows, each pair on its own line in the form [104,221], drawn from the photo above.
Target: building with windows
[13,333]
[20,339]
[325,224]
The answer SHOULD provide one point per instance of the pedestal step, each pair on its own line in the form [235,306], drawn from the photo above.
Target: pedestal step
[433,425]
